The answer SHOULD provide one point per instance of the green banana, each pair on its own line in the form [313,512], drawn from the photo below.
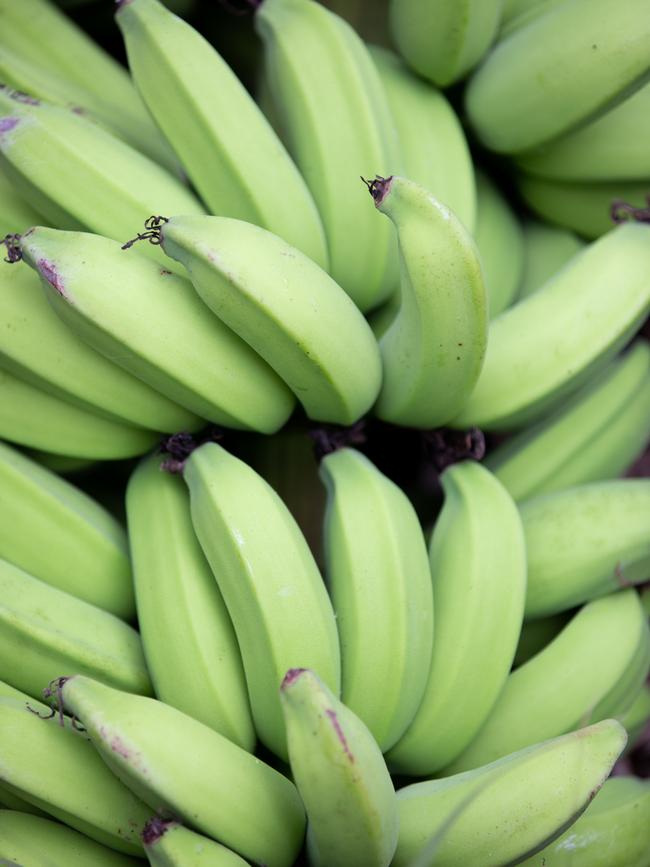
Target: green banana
[9,799]
[537,634]
[566,66]
[16,215]
[500,241]
[39,842]
[637,716]
[434,148]
[56,768]
[546,250]
[285,307]
[44,630]
[169,844]
[584,542]
[341,776]
[614,830]
[593,436]
[433,350]
[104,295]
[274,593]
[187,637]
[592,670]
[379,581]
[333,110]
[222,138]
[502,812]
[478,566]
[443,39]
[59,534]
[549,344]
[178,765]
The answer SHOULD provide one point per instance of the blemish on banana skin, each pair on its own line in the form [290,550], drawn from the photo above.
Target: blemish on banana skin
[339,733]
[8,123]
[48,270]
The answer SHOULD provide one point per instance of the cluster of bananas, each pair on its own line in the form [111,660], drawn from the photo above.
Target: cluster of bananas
[260,713]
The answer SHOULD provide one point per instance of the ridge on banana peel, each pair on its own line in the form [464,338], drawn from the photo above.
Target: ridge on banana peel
[181,767]
[510,808]
[170,844]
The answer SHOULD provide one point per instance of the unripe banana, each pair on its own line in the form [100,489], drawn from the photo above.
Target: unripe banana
[433,350]
[9,801]
[178,765]
[379,581]
[546,250]
[274,593]
[341,776]
[592,670]
[187,637]
[585,542]
[502,812]
[16,214]
[169,844]
[59,534]
[44,630]
[478,567]
[285,307]
[335,115]
[545,347]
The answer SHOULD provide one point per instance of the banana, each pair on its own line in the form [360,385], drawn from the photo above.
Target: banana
[341,776]
[39,842]
[274,593]
[592,670]
[31,417]
[169,844]
[537,634]
[637,716]
[9,801]
[443,39]
[43,351]
[104,295]
[593,436]
[500,241]
[546,77]
[379,581]
[585,542]
[8,691]
[614,830]
[60,535]
[435,152]
[16,215]
[332,107]
[234,159]
[608,149]
[44,630]
[284,306]
[478,567]
[187,637]
[549,344]
[502,812]
[546,250]
[182,767]
[433,350]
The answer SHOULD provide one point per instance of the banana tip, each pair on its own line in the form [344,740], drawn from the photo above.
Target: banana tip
[291,676]
[154,830]
[378,188]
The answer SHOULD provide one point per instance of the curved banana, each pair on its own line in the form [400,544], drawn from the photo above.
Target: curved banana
[39,842]
[546,78]
[549,344]
[285,307]
[433,350]
[178,765]
[637,716]
[546,250]
[59,534]
[335,115]
[585,542]
[274,593]
[614,830]
[187,637]
[104,294]
[341,776]
[32,417]
[478,566]
[44,630]
[592,670]
[500,242]
[435,153]
[443,39]
[593,436]
[236,162]
[537,634]
[499,813]
[379,581]
[57,769]
[16,215]
[170,844]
